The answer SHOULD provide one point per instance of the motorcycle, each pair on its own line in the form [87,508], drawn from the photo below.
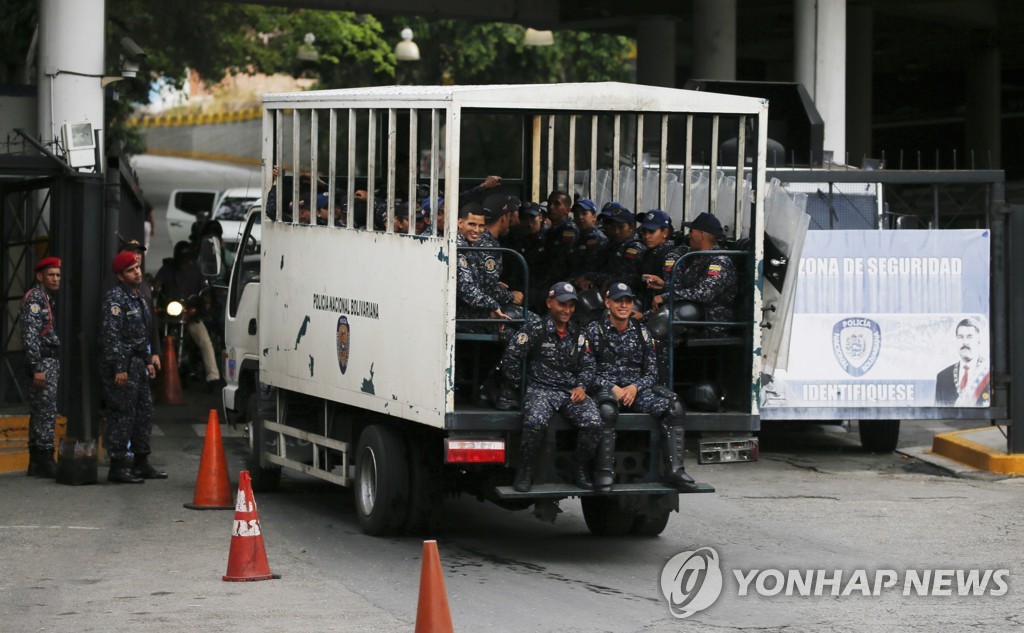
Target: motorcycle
[175,314]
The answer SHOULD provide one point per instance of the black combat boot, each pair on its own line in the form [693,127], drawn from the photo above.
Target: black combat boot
[675,476]
[121,473]
[581,477]
[507,398]
[46,468]
[143,470]
[604,464]
[33,462]
[527,454]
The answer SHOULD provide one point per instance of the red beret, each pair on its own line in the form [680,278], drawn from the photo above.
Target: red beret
[47,262]
[123,260]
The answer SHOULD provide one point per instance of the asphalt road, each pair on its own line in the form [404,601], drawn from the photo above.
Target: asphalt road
[104,557]
[159,175]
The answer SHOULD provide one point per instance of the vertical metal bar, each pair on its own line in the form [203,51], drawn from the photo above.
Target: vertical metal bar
[663,165]
[413,139]
[1015,439]
[688,169]
[713,174]
[593,158]
[535,175]
[296,163]
[371,165]
[741,141]
[570,186]
[314,173]
[435,148]
[935,207]
[267,155]
[392,171]
[638,185]
[350,186]
[279,161]
[616,139]
[332,160]
[551,154]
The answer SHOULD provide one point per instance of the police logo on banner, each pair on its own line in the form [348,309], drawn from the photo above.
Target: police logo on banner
[343,343]
[856,342]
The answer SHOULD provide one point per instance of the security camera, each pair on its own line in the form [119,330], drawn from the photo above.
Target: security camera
[131,56]
[132,50]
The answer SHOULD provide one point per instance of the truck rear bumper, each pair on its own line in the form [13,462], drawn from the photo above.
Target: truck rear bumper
[562,491]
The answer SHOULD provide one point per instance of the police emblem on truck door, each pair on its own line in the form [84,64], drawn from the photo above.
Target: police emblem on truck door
[343,343]
[856,343]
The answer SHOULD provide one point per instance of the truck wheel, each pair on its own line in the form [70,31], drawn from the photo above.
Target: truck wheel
[382,481]
[264,478]
[606,517]
[879,436]
[650,524]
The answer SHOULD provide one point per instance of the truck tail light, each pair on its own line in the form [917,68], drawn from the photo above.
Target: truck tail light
[474,451]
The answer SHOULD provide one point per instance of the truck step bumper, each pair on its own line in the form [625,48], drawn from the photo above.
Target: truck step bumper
[561,491]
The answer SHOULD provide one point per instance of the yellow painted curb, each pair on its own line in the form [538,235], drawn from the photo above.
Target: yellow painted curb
[14,441]
[959,448]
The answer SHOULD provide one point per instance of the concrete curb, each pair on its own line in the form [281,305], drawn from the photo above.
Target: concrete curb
[979,448]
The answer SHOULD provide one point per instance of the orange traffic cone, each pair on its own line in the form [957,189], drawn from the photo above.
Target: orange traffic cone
[248,557]
[168,384]
[213,489]
[432,614]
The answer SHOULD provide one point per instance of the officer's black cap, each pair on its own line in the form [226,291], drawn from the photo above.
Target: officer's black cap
[706,222]
[562,291]
[620,290]
[530,208]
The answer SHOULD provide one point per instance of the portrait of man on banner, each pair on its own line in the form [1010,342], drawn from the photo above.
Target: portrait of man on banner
[965,383]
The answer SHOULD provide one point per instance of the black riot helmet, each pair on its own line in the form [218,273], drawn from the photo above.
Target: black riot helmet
[687,311]
[704,396]
[657,323]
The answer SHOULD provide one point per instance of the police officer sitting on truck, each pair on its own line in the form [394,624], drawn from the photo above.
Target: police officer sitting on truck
[623,254]
[625,379]
[476,296]
[559,368]
[708,280]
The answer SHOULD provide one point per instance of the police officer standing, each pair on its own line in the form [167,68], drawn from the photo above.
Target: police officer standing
[126,368]
[559,368]
[592,240]
[478,293]
[625,378]
[622,255]
[41,345]
[656,231]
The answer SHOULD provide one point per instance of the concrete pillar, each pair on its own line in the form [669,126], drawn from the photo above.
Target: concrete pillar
[859,74]
[820,64]
[70,65]
[984,104]
[714,39]
[656,52]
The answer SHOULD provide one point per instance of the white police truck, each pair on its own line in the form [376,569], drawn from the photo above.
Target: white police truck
[344,356]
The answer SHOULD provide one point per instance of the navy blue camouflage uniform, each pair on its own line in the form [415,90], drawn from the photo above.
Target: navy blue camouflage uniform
[620,263]
[555,366]
[473,301]
[41,345]
[125,349]
[627,358]
[586,257]
[655,262]
[493,266]
[709,280]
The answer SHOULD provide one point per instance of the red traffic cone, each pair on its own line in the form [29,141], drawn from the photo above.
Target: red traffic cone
[432,614]
[213,488]
[248,557]
[168,383]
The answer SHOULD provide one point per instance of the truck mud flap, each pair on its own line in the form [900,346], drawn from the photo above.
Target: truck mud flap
[561,491]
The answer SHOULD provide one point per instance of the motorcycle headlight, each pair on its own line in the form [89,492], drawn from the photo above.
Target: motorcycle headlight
[174,308]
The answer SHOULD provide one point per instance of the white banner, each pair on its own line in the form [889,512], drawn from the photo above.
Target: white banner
[888,319]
